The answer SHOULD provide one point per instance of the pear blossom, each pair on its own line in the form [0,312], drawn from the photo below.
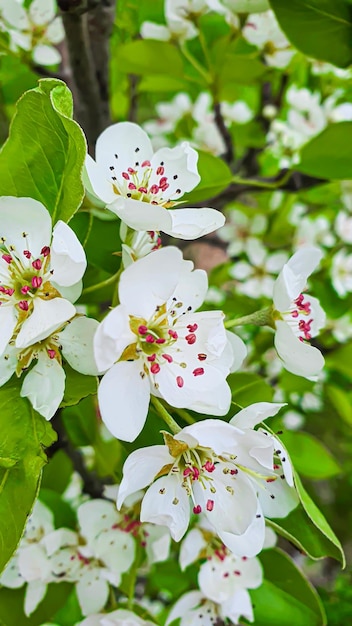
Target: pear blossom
[40,272]
[239,6]
[137,244]
[298,317]
[341,272]
[140,187]
[155,343]
[228,472]
[343,226]
[314,232]
[121,617]
[263,31]
[255,278]
[73,340]
[240,229]
[180,16]
[35,29]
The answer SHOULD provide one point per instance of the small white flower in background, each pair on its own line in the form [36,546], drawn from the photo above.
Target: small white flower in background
[240,229]
[341,328]
[121,617]
[255,277]
[314,232]
[141,187]
[238,112]
[341,272]
[137,244]
[40,272]
[73,340]
[298,317]
[292,420]
[229,472]
[180,16]
[155,343]
[263,31]
[169,114]
[343,226]
[35,29]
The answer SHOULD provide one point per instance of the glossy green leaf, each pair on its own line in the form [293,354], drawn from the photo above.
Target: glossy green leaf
[12,602]
[248,388]
[312,24]
[215,177]
[341,360]
[286,596]
[44,154]
[329,154]
[150,57]
[77,386]
[309,456]
[23,433]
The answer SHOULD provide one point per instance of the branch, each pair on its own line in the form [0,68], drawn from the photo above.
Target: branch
[77,6]
[224,132]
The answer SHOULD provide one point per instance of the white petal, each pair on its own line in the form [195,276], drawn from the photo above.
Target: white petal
[318,316]
[298,357]
[99,181]
[213,401]
[42,11]
[190,292]
[239,350]
[47,316]
[141,215]
[33,563]
[116,549]
[158,540]
[71,293]
[59,538]
[149,30]
[55,33]
[46,55]
[95,516]
[77,344]
[123,397]
[140,469]
[24,215]
[44,386]
[219,579]
[11,576]
[121,146]
[167,503]
[112,337]
[193,223]
[92,591]
[251,542]
[285,498]
[255,413]
[67,259]
[187,602]
[191,547]
[7,325]
[293,276]
[35,592]
[151,281]
[239,605]
[214,434]
[181,162]
[15,15]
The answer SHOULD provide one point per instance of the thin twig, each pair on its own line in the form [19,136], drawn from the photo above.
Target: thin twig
[228,156]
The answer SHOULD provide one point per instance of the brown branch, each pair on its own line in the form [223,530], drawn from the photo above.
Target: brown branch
[228,156]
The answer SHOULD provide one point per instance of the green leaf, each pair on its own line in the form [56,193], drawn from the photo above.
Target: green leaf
[44,154]
[77,386]
[286,596]
[321,29]
[309,456]
[248,388]
[64,516]
[341,360]
[341,402]
[329,154]
[150,57]
[57,474]
[22,435]
[215,177]
[12,602]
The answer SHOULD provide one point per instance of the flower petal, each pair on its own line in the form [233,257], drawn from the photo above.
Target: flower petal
[92,591]
[67,260]
[255,413]
[46,55]
[215,434]
[96,516]
[166,503]
[293,276]
[42,11]
[35,592]
[187,602]
[77,344]
[113,335]
[116,549]
[123,397]
[298,357]
[98,181]
[44,386]
[251,542]
[47,316]
[141,215]
[239,350]
[239,605]
[24,215]
[191,547]
[180,169]
[193,223]
[7,325]
[121,146]
[8,363]
[55,33]
[140,469]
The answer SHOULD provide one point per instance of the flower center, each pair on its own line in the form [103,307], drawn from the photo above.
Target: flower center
[296,317]
[143,182]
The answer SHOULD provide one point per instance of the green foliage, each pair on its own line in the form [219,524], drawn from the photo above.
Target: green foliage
[309,456]
[23,434]
[329,155]
[150,57]
[12,602]
[77,386]
[310,24]
[215,176]
[44,154]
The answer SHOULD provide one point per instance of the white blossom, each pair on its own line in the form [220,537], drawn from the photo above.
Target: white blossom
[180,16]
[341,272]
[263,31]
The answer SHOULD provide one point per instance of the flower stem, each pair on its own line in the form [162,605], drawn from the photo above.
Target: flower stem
[185,416]
[165,415]
[197,66]
[104,283]
[263,183]
[258,318]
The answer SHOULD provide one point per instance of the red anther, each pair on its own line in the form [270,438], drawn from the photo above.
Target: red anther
[23,305]
[131,170]
[36,282]
[191,339]
[9,291]
[132,186]
[237,572]
[244,558]
[146,164]
[2,289]
[27,253]
[209,466]
[153,202]
[164,187]
[155,368]
[202,356]
[151,233]
[162,181]
[180,381]
[233,472]
[294,313]
[150,339]
[154,189]
[192,327]
[25,289]
[45,251]
[160,170]
[300,299]
[197,509]
[142,330]
[226,574]
[7,258]
[37,264]
[151,358]
[160,340]
[125,176]
[173,333]
[167,357]
[143,189]
[187,471]
[198,371]
[210,505]
[276,466]
[52,354]
[270,480]
[195,473]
